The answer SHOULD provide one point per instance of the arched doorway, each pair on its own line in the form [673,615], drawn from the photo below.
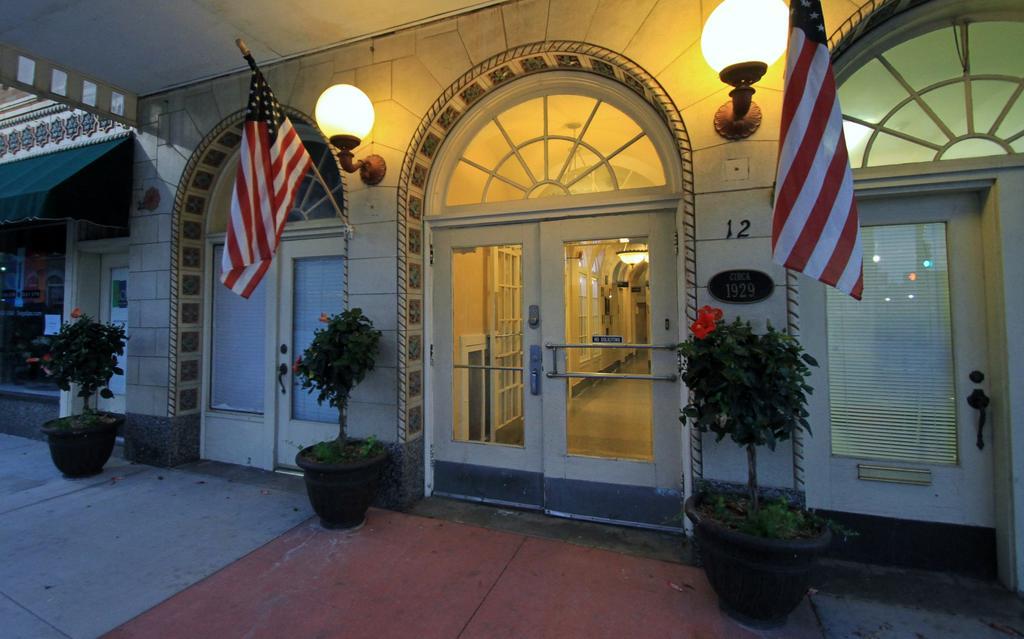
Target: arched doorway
[552,301]
[232,362]
[934,122]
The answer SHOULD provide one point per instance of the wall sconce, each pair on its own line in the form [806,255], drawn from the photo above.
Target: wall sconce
[740,40]
[345,115]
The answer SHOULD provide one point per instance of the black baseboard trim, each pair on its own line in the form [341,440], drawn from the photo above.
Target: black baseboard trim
[617,503]
[967,550]
[485,483]
[630,505]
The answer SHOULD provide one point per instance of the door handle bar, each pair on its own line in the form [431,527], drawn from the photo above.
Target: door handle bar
[480,367]
[662,347]
[554,348]
[656,378]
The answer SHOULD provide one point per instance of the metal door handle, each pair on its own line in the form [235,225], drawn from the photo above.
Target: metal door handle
[282,370]
[979,401]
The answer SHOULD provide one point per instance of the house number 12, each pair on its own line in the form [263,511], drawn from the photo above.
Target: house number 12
[744,230]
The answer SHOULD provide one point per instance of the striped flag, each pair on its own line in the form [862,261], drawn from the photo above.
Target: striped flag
[814,227]
[271,166]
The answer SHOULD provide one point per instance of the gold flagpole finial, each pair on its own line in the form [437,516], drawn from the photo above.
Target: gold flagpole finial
[243,47]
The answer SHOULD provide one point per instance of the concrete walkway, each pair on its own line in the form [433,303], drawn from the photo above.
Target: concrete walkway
[82,556]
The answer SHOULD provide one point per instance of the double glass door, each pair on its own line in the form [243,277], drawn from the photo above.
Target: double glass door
[554,367]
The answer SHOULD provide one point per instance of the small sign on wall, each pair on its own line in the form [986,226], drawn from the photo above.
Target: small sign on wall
[606,339]
[741,286]
[51,324]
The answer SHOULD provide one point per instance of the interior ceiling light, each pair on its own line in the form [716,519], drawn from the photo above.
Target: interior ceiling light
[632,256]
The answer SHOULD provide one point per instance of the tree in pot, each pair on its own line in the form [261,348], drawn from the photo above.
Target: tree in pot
[752,388]
[342,475]
[84,354]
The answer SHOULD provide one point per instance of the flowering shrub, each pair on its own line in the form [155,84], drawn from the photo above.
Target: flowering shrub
[84,353]
[339,357]
[751,387]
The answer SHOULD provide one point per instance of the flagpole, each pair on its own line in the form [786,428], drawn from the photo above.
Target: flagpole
[247,54]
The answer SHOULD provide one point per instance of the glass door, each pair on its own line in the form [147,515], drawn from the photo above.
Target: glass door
[312,283]
[554,367]
[486,413]
[612,441]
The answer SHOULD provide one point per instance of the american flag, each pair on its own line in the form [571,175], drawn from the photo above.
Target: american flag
[814,228]
[271,166]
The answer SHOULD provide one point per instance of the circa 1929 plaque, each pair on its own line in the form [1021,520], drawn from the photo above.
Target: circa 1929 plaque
[741,286]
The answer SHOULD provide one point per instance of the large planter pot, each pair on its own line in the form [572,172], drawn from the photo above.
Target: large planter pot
[81,452]
[758,581]
[341,493]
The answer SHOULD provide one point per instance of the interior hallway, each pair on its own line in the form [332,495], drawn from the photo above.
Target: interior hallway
[612,417]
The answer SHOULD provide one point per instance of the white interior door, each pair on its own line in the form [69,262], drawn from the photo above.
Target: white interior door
[114,309]
[311,282]
[894,435]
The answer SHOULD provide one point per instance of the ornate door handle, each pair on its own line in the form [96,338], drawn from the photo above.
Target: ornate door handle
[282,370]
[979,401]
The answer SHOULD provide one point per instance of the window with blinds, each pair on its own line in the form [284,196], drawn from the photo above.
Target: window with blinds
[890,355]
[237,366]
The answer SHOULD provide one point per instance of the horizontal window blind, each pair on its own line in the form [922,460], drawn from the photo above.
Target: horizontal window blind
[237,365]
[318,287]
[890,355]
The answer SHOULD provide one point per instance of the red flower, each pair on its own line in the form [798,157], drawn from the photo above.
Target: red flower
[324,318]
[715,313]
[295,365]
[76,313]
[47,357]
[703,327]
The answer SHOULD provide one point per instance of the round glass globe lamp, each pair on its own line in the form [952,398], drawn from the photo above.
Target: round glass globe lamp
[344,110]
[740,31]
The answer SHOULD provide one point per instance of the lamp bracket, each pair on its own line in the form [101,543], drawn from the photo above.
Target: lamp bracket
[743,74]
[372,168]
[731,128]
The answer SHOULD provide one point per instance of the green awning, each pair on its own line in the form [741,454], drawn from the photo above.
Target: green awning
[88,183]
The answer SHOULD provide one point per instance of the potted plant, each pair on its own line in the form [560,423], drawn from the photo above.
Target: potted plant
[342,474]
[83,353]
[752,388]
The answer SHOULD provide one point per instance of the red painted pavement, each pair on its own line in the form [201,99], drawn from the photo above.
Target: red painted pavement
[408,576]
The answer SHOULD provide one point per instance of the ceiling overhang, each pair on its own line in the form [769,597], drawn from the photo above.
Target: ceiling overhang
[126,50]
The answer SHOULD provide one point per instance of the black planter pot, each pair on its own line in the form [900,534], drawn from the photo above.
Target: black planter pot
[81,452]
[758,581]
[341,493]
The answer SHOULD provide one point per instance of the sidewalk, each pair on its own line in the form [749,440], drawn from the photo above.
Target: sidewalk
[212,550]
[83,556]
[407,576]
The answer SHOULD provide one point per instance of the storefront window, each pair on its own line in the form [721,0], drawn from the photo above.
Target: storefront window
[31,304]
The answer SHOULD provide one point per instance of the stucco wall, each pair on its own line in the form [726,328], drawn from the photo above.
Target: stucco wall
[403,74]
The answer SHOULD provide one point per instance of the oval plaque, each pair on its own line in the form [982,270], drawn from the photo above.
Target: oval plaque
[741,286]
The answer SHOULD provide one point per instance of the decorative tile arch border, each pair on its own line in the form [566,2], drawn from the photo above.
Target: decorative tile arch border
[441,118]
[188,236]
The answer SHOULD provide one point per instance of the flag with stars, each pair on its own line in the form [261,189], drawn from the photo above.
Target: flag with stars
[271,165]
[815,229]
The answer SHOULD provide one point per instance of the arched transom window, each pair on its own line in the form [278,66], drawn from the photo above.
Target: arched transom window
[955,92]
[554,145]
[311,199]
